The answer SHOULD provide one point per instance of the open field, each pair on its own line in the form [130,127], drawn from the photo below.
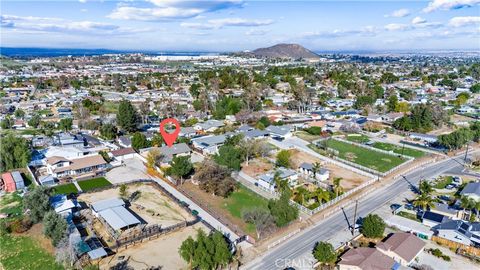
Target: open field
[93,183]
[399,149]
[257,167]
[307,136]
[230,208]
[152,206]
[65,189]
[365,157]
[27,251]
[360,138]
[350,179]
[162,252]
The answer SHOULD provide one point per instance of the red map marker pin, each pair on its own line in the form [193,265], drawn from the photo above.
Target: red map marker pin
[169,138]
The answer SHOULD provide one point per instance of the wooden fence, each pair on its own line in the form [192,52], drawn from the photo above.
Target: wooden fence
[451,244]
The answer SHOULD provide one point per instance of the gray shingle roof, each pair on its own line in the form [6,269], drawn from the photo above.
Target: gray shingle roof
[471,188]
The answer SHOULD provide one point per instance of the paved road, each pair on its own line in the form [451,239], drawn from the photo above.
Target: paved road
[296,252]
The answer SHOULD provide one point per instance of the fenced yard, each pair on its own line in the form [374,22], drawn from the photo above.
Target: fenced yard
[94,183]
[363,156]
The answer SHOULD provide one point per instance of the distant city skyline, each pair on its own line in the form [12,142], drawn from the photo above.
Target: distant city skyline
[236,25]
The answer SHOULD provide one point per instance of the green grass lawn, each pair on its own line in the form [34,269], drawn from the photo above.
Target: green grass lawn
[307,136]
[21,252]
[65,189]
[244,199]
[11,204]
[442,183]
[368,158]
[358,138]
[93,183]
[409,216]
[398,149]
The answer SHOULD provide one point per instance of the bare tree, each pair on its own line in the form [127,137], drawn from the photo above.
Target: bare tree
[262,219]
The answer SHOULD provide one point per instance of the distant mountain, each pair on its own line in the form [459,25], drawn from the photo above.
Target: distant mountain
[294,51]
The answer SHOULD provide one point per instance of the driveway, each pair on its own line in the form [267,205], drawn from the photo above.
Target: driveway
[132,169]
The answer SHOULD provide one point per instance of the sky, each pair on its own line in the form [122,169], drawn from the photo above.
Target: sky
[237,25]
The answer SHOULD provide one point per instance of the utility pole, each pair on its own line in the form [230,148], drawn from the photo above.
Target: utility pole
[466,153]
[354,217]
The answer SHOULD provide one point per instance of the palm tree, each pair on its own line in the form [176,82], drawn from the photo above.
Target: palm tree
[425,187]
[316,168]
[424,201]
[336,186]
[301,195]
[282,185]
[322,195]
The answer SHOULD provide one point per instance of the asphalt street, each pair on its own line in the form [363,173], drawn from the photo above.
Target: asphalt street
[296,252]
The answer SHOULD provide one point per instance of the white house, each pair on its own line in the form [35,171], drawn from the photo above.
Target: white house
[472,191]
[267,181]
[209,126]
[61,167]
[280,132]
[307,170]
[209,144]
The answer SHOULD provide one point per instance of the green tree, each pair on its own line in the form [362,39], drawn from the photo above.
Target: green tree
[14,152]
[229,156]
[34,121]
[7,123]
[222,255]
[475,88]
[139,141]
[19,113]
[123,191]
[181,166]
[392,103]
[456,139]
[108,131]
[424,201]
[37,201]
[373,226]
[388,77]
[324,253]
[65,124]
[282,211]
[54,227]
[127,116]
[283,159]
[187,250]
[425,187]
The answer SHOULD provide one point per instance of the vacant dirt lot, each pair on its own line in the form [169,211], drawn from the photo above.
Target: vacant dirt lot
[257,167]
[161,252]
[152,206]
[350,179]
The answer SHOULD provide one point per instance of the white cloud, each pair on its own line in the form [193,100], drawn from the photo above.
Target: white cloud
[171,9]
[220,23]
[256,32]
[449,4]
[397,27]
[365,31]
[82,1]
[418,20]
[45,24]
[464,21]
[400,13]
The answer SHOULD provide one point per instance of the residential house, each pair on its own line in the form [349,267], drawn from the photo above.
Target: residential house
[167,153]
[402,247]
[432,219]
[125,141]
[472,191]
[62,205]
[122,153]
[254,134]
[187,132]
[364,258]
[61,167]
[280,132]
[446,210]
[209,125]
[423,137]
[391,117]
[267,181]
[459,231]
[46,180]
[307,170]
[209,145]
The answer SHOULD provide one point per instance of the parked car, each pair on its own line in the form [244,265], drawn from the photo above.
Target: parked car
[450,186]
[395,208]
[444,198]
[409,206]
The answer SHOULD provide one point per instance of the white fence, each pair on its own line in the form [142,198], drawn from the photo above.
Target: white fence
[366,169]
